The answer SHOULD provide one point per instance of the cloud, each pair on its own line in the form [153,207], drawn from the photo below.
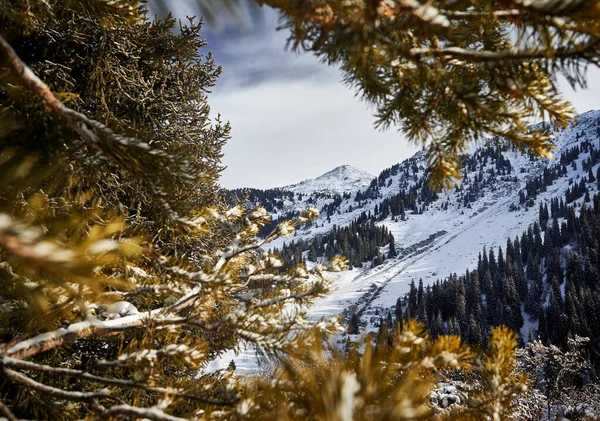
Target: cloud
[584,99]
[291,116]
[257,55]
[287,131]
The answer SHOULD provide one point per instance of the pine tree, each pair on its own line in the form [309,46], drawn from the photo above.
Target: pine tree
[412,298]
[437,325]
[122,272]
[353,327]
[475,333]
[392,248]
[312,254]
[398,310]
[513,316]
[453,327]
[557,330]
[543,216]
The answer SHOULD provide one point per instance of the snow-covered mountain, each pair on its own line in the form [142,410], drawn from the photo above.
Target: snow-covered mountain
[444,233]
[438,234]
[327,189]
[340,180]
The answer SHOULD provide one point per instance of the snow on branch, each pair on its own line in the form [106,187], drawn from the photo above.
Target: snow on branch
[153,413]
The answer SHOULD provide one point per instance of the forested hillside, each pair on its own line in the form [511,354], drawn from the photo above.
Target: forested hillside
[507,281]
[360,242]
[544,284]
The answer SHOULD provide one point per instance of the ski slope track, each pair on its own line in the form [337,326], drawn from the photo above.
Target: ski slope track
[441,237]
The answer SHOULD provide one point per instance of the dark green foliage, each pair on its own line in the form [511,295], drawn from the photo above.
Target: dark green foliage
[143,82]
[557,283]
[271,199]
[359,242]
[353,327]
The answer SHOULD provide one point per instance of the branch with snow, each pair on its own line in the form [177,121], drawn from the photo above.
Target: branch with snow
[153,413]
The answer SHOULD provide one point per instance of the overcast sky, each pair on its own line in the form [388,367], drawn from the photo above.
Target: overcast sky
[291,116]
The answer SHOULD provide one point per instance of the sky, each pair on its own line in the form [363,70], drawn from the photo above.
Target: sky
[292,117]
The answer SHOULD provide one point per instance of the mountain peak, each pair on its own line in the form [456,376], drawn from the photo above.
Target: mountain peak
[346,171]
[340,180]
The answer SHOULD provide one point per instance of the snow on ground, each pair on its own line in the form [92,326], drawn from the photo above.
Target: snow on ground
[488,223]
[440,241]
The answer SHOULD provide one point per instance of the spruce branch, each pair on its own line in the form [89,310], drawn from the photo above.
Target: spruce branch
[473,69]
[43,92]
[590,51]
[127,153]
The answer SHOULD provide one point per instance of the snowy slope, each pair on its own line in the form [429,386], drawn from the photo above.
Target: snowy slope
[441,240]
[444,235]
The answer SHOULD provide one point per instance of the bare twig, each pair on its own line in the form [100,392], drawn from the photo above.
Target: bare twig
[514,54]
[5,410]
[282,299]
[129,384]
[55,392]
[97,328]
